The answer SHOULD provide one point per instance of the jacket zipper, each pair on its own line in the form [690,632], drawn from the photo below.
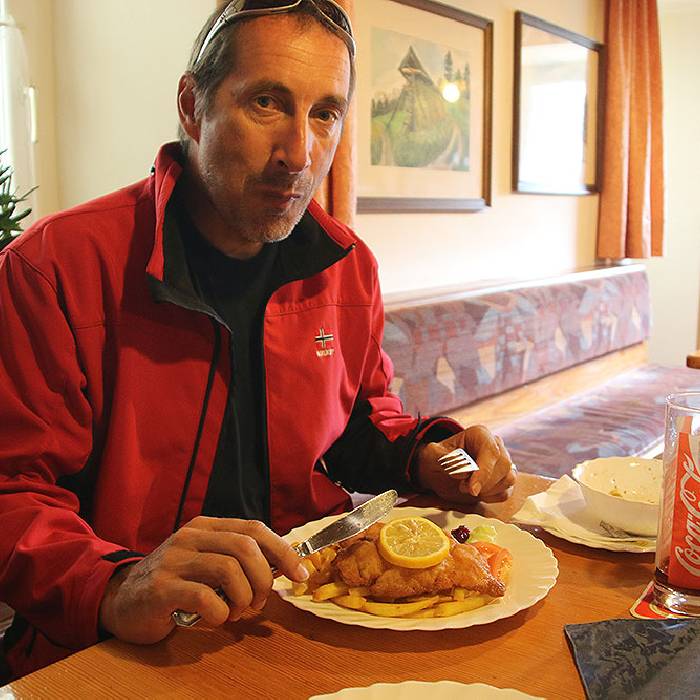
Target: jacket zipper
[202,417]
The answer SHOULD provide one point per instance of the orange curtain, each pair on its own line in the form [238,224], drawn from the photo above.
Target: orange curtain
[337,192]
[631,218]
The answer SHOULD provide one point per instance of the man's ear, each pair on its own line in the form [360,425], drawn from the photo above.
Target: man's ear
[186,101]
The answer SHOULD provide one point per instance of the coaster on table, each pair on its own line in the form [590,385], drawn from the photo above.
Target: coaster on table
[645,608]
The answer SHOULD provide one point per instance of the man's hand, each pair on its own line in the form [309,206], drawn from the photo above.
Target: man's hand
[491,483]
[181,574]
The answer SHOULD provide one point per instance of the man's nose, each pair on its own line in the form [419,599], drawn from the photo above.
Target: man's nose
[293,151]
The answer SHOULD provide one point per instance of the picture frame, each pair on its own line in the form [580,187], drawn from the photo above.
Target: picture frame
[424,108]
[558,102]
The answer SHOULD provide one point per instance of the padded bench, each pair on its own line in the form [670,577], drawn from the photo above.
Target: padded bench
[556,366]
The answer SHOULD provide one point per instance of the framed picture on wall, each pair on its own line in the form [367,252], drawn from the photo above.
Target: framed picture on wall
[424,107]
[557,109]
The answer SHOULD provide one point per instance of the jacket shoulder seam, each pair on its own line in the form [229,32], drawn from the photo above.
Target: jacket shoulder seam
[27,263]
[84,209]
[76,212]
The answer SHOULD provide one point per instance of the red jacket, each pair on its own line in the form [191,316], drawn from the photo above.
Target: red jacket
[113,389]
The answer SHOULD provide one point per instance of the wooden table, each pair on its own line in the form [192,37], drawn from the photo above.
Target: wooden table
[288,653]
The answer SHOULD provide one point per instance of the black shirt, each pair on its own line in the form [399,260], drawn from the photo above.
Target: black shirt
[238,291]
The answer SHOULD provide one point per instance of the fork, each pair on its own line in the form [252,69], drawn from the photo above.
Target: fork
[458,462]
[617,532]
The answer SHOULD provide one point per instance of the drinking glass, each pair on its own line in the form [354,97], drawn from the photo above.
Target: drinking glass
[677,575]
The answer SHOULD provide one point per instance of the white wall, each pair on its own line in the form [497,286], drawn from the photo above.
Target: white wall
[675,278]
[520,235]
[117,66]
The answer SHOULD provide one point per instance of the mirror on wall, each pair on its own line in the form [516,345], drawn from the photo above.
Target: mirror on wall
[557,109]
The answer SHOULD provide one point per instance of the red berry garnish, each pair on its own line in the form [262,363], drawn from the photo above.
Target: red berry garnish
[461,533]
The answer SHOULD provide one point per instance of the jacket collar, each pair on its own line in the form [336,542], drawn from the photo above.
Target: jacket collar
[317,242]
[166,171]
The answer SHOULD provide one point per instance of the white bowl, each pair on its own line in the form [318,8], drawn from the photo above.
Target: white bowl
[622,491]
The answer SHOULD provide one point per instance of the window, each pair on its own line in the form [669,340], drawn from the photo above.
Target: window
[17,122]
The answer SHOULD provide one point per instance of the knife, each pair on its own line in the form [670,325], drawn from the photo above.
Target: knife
[348,525]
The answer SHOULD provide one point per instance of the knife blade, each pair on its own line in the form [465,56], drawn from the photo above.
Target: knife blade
[350,524]
[346,526]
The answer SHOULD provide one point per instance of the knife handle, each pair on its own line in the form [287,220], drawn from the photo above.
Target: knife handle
[190,619]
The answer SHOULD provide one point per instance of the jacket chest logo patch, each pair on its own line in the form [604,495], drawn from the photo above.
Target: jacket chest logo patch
[322,340]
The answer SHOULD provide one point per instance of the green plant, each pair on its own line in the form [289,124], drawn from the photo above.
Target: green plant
[9,221]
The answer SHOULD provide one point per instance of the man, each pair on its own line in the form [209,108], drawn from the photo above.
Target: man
[160,391]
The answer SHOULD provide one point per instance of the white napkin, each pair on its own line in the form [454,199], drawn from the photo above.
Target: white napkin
[561,511]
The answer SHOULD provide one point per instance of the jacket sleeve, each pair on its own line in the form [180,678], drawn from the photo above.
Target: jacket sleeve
[375,452]
[53,568]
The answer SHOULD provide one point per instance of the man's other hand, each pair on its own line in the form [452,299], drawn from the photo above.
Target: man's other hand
[491,483]
[182,573]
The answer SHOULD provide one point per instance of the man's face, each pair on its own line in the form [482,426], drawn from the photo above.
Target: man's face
[269,136]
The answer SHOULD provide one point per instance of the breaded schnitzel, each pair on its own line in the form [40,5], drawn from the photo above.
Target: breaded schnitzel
[359,563]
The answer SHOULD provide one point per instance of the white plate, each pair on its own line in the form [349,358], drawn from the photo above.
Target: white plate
[611,546]
[533,573]
[561,511]
[418,690]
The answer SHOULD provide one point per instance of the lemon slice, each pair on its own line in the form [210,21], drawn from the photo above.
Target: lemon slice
[414,543]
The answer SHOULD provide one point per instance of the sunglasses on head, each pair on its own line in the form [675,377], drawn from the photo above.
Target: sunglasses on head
[332,15]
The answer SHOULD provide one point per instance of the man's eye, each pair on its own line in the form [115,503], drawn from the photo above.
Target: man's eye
[328,115]
[264,101]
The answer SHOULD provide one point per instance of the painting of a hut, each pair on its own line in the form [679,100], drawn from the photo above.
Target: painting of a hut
[422,119]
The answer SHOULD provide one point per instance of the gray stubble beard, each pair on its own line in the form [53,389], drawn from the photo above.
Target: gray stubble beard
[277,231]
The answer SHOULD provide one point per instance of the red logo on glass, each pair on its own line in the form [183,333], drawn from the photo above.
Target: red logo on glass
[684,562]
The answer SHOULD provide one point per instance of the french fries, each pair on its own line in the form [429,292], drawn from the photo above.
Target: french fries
[323,588]
[354,602]
[330,590]
[299,588]
[455,607]
[399,609]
